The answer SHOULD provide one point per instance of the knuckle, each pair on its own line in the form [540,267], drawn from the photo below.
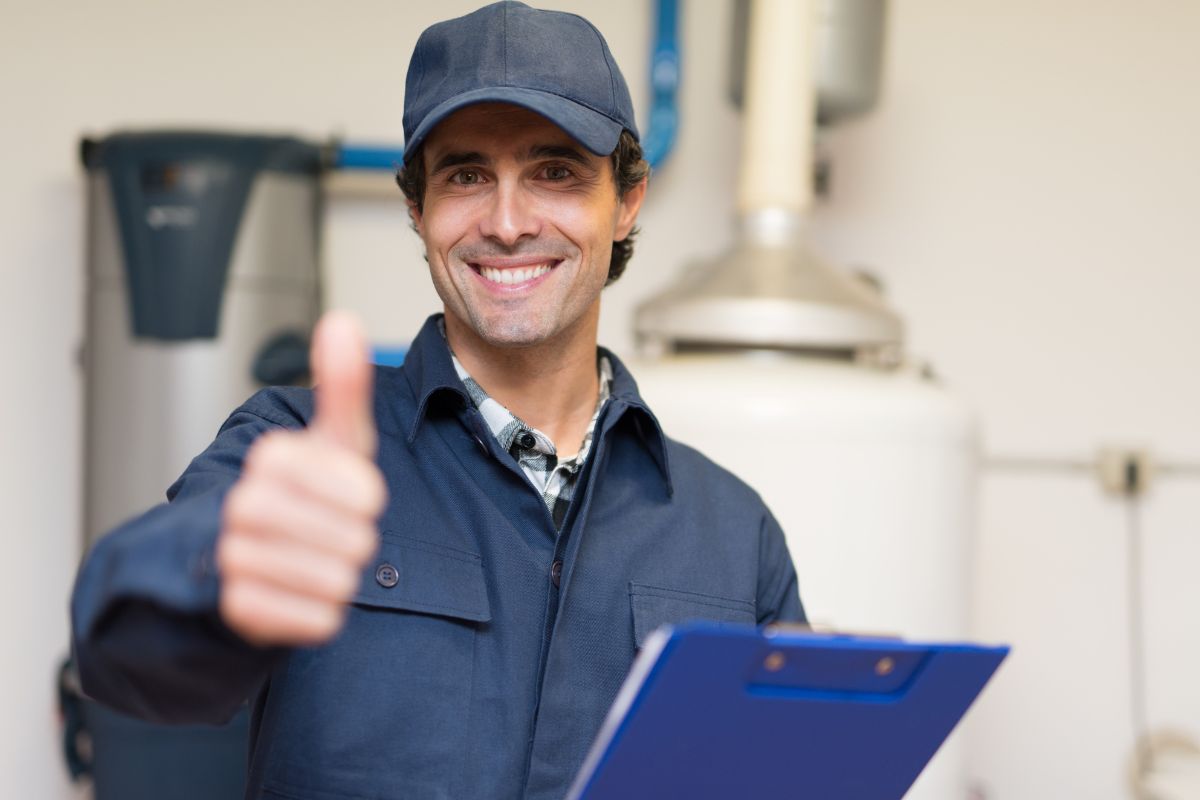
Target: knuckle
[254,504]
[368,492]
[245,502]
[254,507]
[261,452]
[344,583]
[235,501]
[272,452]
[368,442]
[235,603]
[357,481]
[325,622]
[361,542]
[229,552]
[377,493]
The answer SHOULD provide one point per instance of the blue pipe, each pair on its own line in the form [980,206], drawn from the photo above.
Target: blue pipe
[363,156]
[664,108]
[664,82]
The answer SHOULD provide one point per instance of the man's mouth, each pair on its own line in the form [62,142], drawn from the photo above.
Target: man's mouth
[514,275]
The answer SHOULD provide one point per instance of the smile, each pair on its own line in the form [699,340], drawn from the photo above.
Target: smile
[512,276]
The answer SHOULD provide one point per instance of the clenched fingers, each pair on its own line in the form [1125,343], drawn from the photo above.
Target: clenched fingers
[294,568]
[267,615]
[275,511]
[325,472]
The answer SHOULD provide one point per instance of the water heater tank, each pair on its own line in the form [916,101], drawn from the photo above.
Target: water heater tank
[871,474]
[202,287]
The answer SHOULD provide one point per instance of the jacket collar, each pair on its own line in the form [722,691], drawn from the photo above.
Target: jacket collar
[432,378]
[625,400]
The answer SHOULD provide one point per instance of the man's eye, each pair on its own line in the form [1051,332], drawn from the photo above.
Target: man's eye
[557,173]
[465,177]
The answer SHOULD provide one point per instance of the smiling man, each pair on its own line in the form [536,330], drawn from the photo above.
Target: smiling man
[430,582]
[519,221]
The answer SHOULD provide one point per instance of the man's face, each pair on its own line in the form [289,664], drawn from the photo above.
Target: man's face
[518,224]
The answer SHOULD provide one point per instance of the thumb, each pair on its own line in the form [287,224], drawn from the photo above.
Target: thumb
[343,377]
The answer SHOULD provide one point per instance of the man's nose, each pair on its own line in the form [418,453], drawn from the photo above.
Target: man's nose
[510,215]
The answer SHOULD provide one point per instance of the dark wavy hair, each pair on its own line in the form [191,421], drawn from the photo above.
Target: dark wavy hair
[629,169]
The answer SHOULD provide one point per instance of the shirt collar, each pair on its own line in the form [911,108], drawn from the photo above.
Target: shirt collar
[432,378]
[506,426]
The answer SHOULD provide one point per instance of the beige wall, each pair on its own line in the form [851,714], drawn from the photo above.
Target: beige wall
[1027,190]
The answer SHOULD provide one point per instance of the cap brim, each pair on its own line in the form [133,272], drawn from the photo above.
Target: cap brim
[595,131]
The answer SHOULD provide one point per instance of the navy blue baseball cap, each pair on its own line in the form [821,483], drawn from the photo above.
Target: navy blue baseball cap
[553,63]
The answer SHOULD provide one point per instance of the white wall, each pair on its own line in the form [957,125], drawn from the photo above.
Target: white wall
[1025,190]
[1028,189]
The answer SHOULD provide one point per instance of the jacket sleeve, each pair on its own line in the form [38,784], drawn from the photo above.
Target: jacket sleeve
[778,593]
[146,634]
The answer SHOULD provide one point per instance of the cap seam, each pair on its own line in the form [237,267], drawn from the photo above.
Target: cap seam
[612,81]
[420,73]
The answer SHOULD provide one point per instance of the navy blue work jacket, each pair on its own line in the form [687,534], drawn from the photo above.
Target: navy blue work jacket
[484,647]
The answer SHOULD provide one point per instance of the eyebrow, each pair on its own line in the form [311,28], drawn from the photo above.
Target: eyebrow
[564,152]
[457,160]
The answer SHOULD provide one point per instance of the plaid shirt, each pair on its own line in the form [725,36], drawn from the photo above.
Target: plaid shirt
[533,449]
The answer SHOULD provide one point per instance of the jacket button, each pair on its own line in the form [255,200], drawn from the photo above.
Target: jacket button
[526,440]
[387,576]
[479,443]
[556,572]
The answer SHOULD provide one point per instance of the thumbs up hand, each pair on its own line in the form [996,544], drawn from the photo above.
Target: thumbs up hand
[299,525]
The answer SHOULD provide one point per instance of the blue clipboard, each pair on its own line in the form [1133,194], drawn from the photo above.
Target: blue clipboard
[713,712]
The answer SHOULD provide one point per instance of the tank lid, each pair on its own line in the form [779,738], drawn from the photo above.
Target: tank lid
[769,291]
[249,152]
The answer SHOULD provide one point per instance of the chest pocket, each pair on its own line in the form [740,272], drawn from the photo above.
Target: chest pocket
[654,607]
[412,575]
[384,709]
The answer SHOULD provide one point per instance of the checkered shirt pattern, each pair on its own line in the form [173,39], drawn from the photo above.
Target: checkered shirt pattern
[533,449]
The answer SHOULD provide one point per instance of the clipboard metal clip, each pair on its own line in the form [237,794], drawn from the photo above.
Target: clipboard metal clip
[820,629]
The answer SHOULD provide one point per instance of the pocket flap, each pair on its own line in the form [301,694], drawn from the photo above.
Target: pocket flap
[411,575]
[654,607]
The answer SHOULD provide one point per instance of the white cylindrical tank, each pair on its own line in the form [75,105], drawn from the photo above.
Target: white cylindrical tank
[870,472]
[762,365]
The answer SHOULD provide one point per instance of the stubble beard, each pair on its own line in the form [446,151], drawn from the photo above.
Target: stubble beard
[486,317]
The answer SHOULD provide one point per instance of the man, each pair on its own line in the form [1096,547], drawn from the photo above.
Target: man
[431,581]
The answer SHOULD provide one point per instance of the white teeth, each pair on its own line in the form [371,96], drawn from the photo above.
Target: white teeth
[508,277]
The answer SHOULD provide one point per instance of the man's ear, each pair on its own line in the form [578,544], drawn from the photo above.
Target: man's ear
[414,214]
[627,209]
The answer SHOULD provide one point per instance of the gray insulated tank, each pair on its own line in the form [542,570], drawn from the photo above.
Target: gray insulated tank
[203,287]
